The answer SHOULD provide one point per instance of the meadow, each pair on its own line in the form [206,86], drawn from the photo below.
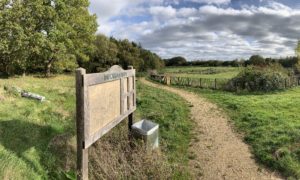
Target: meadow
[203,72]
[37,140]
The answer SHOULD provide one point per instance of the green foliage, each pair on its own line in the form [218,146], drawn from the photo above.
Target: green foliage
[297,50]
[110,51]
[256,60]
[104,54]
[151,60]
[40,33]
[255,78]
[176,61]
[129,54]
[269,122]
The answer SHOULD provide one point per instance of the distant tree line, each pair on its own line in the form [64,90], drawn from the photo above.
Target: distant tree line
[181,61]
[287,62]
[110,51]
[57,36]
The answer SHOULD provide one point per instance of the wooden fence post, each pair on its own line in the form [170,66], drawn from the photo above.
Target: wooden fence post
[200,83]
[215,83]
[82,154]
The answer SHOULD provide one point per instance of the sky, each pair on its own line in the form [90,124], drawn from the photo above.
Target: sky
[203,29]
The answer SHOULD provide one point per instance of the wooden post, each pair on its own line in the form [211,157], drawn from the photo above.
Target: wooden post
[130,116]
[215,83]
[130,121]
[200,83]
[82,154]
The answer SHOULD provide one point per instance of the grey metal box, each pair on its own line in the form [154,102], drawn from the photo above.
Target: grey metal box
[148,131]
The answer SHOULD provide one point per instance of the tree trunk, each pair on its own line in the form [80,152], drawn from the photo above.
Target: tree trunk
[48,68]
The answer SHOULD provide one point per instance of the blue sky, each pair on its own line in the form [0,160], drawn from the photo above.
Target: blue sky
[204,29]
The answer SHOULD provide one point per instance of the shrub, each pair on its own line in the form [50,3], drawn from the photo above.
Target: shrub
[254,78]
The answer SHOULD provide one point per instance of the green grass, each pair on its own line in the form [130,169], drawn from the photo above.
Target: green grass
[27,126]
[34,135]
[224,75]
[270,124]
[203,72]
[171,112]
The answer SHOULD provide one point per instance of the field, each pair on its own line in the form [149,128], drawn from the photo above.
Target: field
[203,72]
[270,123]
[37,140]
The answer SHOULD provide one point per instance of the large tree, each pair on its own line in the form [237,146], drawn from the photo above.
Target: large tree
[105,53]
[46,33]
[256,60]
[297,50]
[13,38]
[129,54]
[151,60]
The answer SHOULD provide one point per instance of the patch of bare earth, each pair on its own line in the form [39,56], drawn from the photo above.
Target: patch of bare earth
[218,152]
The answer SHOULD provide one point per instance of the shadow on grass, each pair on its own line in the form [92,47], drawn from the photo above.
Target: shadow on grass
[19,136]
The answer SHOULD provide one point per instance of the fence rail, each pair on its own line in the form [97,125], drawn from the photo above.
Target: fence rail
[207,83]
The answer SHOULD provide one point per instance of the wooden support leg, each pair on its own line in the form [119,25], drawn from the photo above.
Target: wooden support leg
[130,121]
[82,163]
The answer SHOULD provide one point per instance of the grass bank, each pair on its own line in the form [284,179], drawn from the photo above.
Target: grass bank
[37,140]
[270,123]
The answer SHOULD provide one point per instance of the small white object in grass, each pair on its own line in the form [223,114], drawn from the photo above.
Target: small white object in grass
[33,96]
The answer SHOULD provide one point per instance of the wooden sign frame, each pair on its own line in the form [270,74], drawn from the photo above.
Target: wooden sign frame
[103,100]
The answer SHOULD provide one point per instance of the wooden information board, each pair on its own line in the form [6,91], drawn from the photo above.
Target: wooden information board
[103,100]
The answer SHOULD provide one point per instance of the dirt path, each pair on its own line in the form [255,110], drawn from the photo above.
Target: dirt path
[219,153]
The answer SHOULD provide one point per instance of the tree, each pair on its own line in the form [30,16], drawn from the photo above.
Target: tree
[151,60]
[257,60]
[47,33]
[297,66]
[129,54]
[298,49]
[13,39]
[176,61]
[105,54]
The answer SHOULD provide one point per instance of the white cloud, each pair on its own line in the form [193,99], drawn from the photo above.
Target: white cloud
[163,12]
[206,32]
[211,1]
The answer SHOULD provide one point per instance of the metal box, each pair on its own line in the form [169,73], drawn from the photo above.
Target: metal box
[148,131]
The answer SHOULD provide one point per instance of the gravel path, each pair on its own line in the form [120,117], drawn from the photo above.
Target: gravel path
[217,152]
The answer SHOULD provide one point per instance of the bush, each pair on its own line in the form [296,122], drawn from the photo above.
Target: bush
[254,78]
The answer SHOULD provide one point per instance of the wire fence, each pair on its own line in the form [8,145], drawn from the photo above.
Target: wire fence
[211,83]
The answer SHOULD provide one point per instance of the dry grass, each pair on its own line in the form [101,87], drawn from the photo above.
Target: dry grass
[114,157]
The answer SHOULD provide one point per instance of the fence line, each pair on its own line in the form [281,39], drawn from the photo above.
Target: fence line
[207,83]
